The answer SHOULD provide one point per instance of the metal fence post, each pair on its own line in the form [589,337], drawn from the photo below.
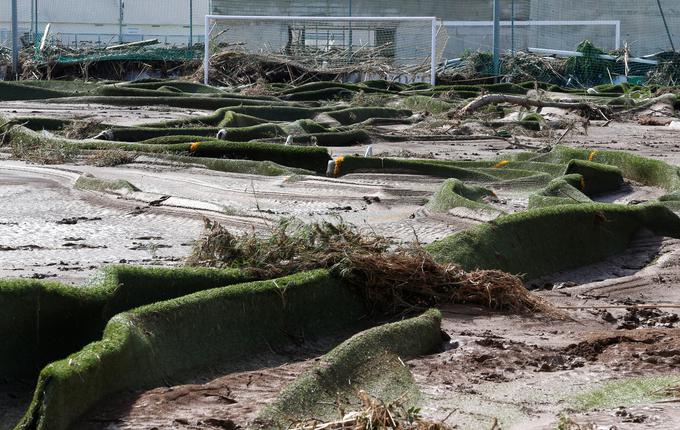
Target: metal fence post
[191,23]
[121,6]
[15,40]
[512,27]
[37,30]
[496,37]
[351,35]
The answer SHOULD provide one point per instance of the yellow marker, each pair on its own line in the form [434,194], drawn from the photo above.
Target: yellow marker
[502,164]
[194,146]
[338,164]
[592,155]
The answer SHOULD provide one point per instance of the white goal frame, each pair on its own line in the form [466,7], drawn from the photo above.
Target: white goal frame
[434,23]
[536,23]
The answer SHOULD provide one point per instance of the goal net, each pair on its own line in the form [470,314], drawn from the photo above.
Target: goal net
[406,49]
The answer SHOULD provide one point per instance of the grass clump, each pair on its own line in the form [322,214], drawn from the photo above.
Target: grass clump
[427,104]
[454,193]
[33,147]
[81,129]
[542,241]
[364,99]
[370,362]
[640,169]
[360,114]
[263,168]
[111,158]
[390,277]
[171,340]
[560,191]
[597,178]
[89,182]
[626,392]
[374,413]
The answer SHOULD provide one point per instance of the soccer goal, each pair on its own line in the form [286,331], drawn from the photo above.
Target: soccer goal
[407,49]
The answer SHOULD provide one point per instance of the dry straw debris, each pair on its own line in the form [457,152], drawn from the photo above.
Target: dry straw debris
[391,277]
[375,414]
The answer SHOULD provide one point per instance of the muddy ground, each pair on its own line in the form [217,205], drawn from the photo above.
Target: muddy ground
[517,371]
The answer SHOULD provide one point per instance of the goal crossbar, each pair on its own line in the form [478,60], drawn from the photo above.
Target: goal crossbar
[431,19]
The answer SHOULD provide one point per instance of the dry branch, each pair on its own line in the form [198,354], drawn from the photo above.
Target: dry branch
[587,109]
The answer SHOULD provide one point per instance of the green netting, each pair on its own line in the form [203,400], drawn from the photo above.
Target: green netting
[163,341]
[233,119]
[560,191]
[205,103]
[44,321]
[502,172]
[361,114]
[264,168]
[541,241]
[327,94]
[345,165]
[234,134]
[302,157]
[454,193]
[305,126]
[640,169]
[371,361]
[597,178]
[10,91]
[39,123]
[147,54]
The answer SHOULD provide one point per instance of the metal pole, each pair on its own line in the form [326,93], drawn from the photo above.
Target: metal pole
[351,36]
[665,24]
[206,51]
[433,53]
[496,37]
[121,7]
[191,23]
[512,27]
[37,29]
[15,40]
[32,29]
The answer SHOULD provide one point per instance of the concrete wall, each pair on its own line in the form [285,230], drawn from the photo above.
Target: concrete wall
[641,23]
[97,20]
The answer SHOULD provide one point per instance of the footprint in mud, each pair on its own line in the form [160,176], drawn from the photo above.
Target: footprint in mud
[76,220]
[20,248]
[71,245]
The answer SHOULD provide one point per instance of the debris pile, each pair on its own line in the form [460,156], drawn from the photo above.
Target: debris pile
[376,414]
[636,317]
[391,277]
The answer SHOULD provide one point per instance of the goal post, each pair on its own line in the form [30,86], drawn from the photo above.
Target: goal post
[388,47]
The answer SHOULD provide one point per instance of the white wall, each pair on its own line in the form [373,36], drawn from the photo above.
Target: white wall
[98,19]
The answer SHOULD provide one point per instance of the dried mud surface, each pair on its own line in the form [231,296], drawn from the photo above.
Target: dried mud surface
[521,371]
